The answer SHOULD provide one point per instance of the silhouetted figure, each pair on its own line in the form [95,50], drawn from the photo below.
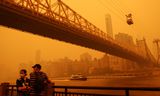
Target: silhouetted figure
[23,84]
[39,82]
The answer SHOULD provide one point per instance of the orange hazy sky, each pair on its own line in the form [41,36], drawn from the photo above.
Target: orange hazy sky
[18,47]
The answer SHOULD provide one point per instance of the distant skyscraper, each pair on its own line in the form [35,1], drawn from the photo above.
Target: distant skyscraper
[85,57]
[108,21]
[38,56]
[124,38]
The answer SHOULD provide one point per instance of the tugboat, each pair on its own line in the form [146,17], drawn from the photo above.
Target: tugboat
[78,77]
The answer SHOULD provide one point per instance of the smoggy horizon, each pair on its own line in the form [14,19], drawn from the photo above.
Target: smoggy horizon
[18,47]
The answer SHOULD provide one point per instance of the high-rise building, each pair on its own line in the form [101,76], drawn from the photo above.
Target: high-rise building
[85,57]
[38,56]
[108,21]
[124,38]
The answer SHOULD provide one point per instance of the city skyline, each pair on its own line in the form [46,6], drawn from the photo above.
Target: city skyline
[110,46]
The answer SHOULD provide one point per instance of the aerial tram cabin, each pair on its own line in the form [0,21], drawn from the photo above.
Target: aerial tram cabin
[129,19]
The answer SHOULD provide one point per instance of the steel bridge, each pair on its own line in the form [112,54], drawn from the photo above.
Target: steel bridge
[57,20]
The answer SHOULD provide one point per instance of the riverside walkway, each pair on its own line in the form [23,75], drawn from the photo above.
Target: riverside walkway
[10,90]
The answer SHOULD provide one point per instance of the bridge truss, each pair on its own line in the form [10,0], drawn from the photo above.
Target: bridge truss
[63,15]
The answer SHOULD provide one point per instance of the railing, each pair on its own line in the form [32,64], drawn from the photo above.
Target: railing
[10,90]
[67,90]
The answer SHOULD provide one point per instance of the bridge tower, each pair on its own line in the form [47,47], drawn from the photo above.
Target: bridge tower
[157,41]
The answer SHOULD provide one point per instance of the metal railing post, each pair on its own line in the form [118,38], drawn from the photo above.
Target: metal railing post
[126,92]
[66,91]
[50,89]
[12,89]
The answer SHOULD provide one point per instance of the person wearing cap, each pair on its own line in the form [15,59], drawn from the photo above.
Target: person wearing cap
[39,81]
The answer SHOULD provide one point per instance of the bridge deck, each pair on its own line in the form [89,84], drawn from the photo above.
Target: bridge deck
[26,20]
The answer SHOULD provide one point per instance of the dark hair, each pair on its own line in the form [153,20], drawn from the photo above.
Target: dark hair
[37,65]
[23,70]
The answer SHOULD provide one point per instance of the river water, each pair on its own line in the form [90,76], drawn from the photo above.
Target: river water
[118,82]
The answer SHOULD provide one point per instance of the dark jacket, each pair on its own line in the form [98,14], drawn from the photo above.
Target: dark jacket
[39,82]
[21,83]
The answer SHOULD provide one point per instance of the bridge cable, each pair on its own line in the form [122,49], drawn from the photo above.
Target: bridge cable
[119,10]
[109,9]
[116,4]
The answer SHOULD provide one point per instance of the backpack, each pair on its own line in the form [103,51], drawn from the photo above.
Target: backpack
[40,85]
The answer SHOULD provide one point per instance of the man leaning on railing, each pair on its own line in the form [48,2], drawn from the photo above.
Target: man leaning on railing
[39,81]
